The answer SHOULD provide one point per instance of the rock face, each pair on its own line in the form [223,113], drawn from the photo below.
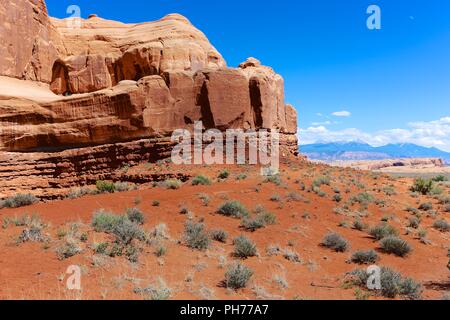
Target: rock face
[107,83]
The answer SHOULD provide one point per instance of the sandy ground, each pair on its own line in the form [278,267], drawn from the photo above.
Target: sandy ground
[33,271]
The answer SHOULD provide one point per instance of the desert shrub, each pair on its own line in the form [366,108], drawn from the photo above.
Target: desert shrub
[105,186]
[219,235]
[359,225]
[337,198]
[33,234]
[382,231]
[422,186]
[441,225]
[238,276]
[440,178]
[426,206]
[160,251]
[224,174]
[195,236]
[157,292]
[363,198]
[67,250]
[135,215]
[172,184]
[275,179]
[319,192]
[104,221]
[395,245]
[252,224]
[320,181]
[393,284]
[389,191]
[241,176]
[123,186]
[19,200]
[447,208]
[413,222]
[336,242]
[267,217]
[205,199]
[275,198]
[101,248]
[244,247]
[233,209]
[291,256]
[156,203]
[201,180]
[365,257]
[126,231]
[80,192]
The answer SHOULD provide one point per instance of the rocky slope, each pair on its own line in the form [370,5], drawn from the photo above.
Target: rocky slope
[430,164]
[107,83]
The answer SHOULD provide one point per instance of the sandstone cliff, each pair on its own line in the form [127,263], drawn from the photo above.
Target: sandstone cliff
[108,82]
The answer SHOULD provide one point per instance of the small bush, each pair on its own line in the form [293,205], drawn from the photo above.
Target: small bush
[440,178]
[126,231]
[336,242]
[238,276]
[447,208]
[253,224]
[233,209]
[426,206]
[244,247]
[392,284]
[195,236]
[104,221]
[172,184]
[359,225]
[422,186]
[123,186]
[201,180]
[68,250]
[219,236]
[382,231]
[33,234]
[320,181]
[337,198]
[363,198]
[275,179]
[105,187]
[156,292]
[136,216]
[19,200]
[413,222]
[441,225]
[365,257]
[156,203]
[394,245]
[224,174]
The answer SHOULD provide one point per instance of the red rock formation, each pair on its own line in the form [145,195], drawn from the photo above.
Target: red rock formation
[108,83]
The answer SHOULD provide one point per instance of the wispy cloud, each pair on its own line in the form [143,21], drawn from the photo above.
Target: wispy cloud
[343,113]
[429,134]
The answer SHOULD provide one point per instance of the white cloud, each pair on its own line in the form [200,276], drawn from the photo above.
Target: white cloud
[341,113]
[325,123]
[428,134]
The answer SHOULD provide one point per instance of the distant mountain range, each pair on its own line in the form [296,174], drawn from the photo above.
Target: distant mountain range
[363,151]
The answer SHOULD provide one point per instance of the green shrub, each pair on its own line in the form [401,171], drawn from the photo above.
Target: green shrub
[395,245]
[382,231]
[156,203]
[195,236]
[219,236]
[123,187]
[275,179]
[359,225]
[68,250]
[201,180]
[440,178]
[126,231]
[320,181]
[336,242]
[244,247]
[135,215]
[238,276]
[172,184]
[363,198]
[224,174]
[365,257]
[337,198]
[422,186]
[233,209]
[253,224]
[105,186]
[104,221]
[441,225]
[392,284]
[19,200]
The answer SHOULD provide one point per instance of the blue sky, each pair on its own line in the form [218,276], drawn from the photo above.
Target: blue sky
[393,83]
